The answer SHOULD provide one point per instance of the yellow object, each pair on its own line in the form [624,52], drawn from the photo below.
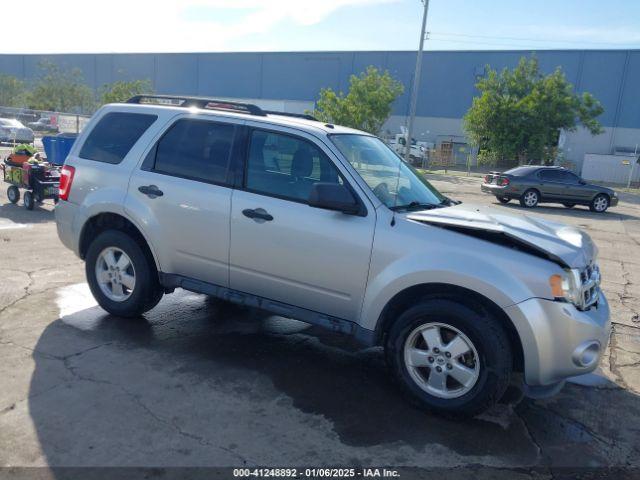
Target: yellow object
[13,174]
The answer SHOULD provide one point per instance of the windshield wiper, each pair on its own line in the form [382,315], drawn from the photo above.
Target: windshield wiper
[416,206]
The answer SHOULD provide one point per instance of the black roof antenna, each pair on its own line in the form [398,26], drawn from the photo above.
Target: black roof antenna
[395,199]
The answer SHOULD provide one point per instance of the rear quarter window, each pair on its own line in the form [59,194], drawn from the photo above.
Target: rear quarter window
[114,135]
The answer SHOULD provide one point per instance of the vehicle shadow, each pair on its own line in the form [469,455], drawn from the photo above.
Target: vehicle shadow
[196,376]
[17,213]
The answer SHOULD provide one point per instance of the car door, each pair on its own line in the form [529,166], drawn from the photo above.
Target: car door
[182,193]
[303,256]
[576,189]
[551,185]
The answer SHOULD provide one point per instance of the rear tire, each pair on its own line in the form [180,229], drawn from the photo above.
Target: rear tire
[122,300]
[29,201]
[600,203]
[487,347]
[503,199]
[13,193]
[530,198]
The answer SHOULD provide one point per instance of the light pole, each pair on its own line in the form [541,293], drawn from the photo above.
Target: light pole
[416,82]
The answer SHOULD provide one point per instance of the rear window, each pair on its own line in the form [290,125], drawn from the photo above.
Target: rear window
[114,135]
[195,149]
[521,171]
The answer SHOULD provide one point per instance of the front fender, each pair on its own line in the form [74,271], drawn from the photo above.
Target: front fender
[501,285]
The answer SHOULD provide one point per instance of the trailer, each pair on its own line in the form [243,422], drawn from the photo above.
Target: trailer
[39,180]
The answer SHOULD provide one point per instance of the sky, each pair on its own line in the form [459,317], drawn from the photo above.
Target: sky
[86,26]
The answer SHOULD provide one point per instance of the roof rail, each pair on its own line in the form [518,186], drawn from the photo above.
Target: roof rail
[304,116]
[197,102]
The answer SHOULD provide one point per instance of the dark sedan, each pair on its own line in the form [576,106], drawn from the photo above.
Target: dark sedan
[535,184]
[44,124]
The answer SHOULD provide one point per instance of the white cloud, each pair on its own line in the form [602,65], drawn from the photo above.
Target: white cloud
[154,26]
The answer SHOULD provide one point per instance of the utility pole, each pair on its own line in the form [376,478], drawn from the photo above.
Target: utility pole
[416,82]
[633,166]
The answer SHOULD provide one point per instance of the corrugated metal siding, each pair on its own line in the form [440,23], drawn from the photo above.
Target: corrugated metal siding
[609,168]
[446,89]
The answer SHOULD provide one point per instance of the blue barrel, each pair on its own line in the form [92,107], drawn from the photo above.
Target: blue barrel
[58,147]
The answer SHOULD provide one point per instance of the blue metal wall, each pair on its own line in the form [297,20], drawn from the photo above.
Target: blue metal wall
[446,89]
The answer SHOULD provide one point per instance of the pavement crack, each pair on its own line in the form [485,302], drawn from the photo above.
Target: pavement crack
[27,292]
[530,436]
[614,366]
[137,400]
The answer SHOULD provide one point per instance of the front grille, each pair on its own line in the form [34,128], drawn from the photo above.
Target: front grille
[589,286]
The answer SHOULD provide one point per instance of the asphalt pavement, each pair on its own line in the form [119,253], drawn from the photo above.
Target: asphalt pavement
[201,383]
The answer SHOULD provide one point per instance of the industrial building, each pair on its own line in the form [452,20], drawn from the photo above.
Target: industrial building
[291,81]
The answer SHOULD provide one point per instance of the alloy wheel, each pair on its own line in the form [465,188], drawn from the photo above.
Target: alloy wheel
[531,199]
[600,204]
[441,360]
[115,274]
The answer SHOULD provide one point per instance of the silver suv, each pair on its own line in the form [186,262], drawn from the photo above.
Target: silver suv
[328,225]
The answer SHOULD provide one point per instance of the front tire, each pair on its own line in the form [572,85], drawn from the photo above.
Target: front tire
[530,198]
[600,203]
[448,357]
[123,280]
[29,201]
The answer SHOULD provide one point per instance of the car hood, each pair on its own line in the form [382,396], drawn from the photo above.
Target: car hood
[562,243]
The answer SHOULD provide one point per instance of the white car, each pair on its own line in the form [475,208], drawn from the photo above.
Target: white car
[12,131]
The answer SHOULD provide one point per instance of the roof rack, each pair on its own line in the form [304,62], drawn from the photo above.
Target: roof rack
[198,102]
[304,116]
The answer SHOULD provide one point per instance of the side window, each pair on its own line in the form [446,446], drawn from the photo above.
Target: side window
[195,149]
[571,178]
[286,166]
[551,175]
[114,135]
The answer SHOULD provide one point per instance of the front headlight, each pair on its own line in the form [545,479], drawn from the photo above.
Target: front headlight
[567,286]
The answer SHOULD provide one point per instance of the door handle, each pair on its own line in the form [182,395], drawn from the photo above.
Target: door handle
[151,191]
[257,214]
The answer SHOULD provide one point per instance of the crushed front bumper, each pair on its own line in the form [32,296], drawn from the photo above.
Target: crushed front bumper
[558,340]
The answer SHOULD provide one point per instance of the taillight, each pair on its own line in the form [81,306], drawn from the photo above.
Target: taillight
[487,179]
[503,181]
[66,178]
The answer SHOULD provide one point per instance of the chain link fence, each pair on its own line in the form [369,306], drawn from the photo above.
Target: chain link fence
[19,125]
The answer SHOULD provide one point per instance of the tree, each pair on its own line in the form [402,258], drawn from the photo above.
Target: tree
[121,91]
[61,90]
[519,114]
[12,91]
[367,105]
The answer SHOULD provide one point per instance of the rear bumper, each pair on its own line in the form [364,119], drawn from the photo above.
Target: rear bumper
[498,190]
[558,340]
[65,213]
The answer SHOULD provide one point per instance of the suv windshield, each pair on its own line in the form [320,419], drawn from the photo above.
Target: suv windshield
[396,184]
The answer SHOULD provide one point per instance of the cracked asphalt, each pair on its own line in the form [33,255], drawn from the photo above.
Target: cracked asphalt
[199,383]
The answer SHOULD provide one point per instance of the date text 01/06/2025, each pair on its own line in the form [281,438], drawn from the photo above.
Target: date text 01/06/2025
[315,473]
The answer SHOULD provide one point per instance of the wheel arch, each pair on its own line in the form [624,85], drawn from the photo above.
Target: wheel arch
[606,194]
[113,221]
[471,299]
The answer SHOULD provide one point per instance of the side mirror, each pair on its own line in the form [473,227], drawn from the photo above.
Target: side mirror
[333,196]
[582,182]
